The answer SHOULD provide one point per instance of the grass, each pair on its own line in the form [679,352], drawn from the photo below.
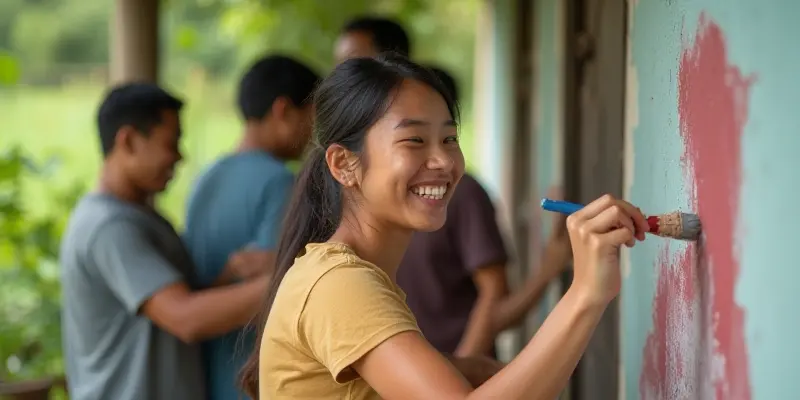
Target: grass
[60,122]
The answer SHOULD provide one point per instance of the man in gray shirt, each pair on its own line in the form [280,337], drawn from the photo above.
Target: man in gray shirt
[131,312]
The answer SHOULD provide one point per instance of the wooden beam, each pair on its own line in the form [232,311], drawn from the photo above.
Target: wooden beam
[134,41]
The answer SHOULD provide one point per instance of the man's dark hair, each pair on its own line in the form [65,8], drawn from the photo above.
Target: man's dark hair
[387,35]
[139,105]
[270,78]
[447,80]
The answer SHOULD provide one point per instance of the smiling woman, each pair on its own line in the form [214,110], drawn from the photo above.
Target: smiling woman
[386,163]
[386,157]
[413,159]
[430,187]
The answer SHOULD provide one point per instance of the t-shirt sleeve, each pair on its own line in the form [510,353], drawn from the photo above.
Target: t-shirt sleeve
[474,227]
[130,263]
[350,311]
[274,201]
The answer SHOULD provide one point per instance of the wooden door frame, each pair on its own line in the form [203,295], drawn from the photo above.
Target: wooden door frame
[520,166]
[592,379]
[592,45]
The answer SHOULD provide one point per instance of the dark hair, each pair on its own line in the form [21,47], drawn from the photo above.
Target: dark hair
[139,105]
[387,35]
[272,77]
[447,80]
[348,102]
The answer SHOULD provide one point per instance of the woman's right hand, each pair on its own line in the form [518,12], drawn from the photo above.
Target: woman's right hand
[597,231]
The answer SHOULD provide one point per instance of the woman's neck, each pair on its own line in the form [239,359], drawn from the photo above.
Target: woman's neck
[381,246]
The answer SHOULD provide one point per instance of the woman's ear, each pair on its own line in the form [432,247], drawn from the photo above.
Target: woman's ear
[343,165]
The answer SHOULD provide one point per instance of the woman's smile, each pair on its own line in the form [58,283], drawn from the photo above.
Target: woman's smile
[431,193]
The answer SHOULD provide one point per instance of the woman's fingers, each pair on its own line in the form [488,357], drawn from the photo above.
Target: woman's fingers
[608,220]
[595,208]
[639,220]
[618,237]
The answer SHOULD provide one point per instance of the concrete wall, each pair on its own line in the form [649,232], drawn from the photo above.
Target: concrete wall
[712,128]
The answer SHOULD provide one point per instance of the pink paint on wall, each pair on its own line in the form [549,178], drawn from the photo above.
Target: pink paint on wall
[670,360]
[697,348]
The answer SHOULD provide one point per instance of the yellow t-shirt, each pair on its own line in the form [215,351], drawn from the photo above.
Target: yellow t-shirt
[330,310]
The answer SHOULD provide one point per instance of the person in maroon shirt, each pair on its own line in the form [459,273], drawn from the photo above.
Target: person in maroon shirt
[455,278]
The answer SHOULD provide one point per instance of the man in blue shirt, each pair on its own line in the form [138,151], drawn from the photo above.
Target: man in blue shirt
[236,208]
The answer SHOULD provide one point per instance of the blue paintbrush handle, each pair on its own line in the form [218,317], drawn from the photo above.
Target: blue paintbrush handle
[559,206]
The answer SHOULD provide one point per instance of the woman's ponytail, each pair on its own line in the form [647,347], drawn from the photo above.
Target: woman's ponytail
[312,217]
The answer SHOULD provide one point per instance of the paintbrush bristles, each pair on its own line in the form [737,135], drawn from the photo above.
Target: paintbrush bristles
[679,225]
[691,226]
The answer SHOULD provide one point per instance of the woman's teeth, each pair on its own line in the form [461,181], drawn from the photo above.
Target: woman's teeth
[430,192]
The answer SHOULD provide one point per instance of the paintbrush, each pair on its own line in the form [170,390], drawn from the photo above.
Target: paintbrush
[676,225]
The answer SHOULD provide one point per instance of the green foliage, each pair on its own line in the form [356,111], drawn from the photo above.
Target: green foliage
[30,335]
[46,34]
[52,38]
[235,32]
[9,69]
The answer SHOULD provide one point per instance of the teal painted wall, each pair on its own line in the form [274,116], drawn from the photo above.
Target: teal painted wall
[548,121]
[495,128]
[549,75]
[713,123]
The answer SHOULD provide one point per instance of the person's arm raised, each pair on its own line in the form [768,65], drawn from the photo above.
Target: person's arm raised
[146,283]
[512,309]
[406,366]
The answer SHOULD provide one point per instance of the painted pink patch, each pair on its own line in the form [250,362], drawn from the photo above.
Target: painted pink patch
[712,105]
[670,357]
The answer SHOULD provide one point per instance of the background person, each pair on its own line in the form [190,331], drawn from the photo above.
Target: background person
[237,205]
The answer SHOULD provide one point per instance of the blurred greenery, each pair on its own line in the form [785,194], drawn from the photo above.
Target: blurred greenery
[53,70]
[30,335]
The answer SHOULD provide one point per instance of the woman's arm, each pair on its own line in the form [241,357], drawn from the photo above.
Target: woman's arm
[406,366]
[476,369]
[542,369]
